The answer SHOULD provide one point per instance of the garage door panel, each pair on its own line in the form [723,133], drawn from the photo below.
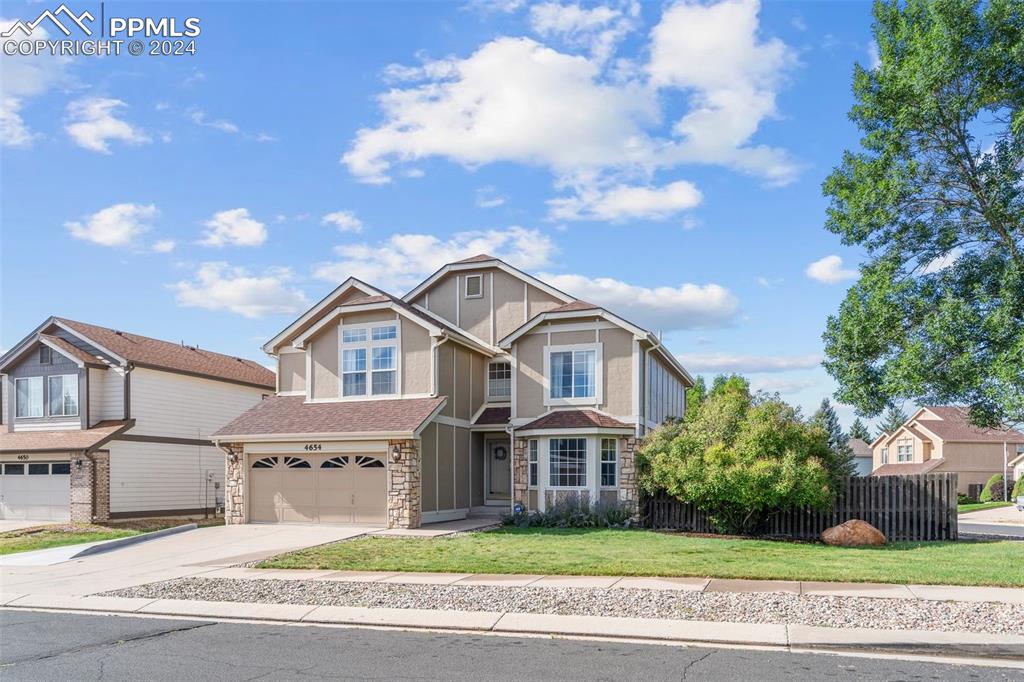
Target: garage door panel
[32,491]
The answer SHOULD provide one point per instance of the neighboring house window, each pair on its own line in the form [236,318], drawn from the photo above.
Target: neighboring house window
[29,397]
[45,355]
[1020,448]
[572,374]
[63,395]
[373,343]
[609,462]
[499,380]
[533,463]
[885,455]
[904,450]
[474,286]
[568,462]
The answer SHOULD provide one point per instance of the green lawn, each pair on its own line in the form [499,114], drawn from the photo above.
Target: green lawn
[980,506]
[635,552]
[59,535]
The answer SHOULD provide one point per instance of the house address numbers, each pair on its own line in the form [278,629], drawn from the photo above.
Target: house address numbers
[313,447]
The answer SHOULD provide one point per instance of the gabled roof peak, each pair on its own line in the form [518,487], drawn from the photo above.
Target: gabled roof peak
[479,258]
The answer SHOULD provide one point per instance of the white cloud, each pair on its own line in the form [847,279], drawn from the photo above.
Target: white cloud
[488,197]
[234,227]
[198,116]
[623,202]
[21,79]
[219,286]
[687,306]
[92,123]
[117,225]
[403,260]
[345,221]
[874,56]
[731,362]
[830,270]
[942,262]
[769,282]
[13,131]
[164,245]
[780,385]
[599,28]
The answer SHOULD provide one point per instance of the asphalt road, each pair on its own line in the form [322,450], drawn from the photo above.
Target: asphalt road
[1004,529]
[49,646]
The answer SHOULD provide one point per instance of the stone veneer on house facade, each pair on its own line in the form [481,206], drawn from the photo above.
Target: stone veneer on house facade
[234,485]
[404,510]
[90,487]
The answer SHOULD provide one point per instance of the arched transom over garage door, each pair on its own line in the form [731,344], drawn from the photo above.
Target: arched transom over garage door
[348,488]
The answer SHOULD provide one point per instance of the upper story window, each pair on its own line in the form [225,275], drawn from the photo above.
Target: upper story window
[885,455]
[904,450]
[369,360]
[63,390]
[28,397]
[45,355]
[474,286]
[499,380]
[573,374]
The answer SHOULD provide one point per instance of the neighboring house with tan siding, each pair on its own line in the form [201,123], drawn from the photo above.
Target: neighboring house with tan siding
[101,424]
[939,439]
[482,388]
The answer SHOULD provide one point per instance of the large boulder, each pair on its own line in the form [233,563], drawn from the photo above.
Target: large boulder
[853,533]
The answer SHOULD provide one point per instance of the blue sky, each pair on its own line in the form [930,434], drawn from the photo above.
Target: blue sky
[663,160]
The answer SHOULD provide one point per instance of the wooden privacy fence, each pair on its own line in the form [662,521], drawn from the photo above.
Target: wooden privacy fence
[914,507]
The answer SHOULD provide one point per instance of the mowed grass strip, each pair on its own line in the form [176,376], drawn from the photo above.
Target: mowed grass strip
[640,553]
[980,506]
[47,539]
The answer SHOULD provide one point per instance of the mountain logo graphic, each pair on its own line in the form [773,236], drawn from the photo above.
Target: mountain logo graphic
[78,20]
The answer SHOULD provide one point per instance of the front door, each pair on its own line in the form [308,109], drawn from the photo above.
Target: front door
[499,464]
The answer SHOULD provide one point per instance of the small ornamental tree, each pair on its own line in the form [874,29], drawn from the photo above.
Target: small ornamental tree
[993,490]
[1018,489]
[739,458]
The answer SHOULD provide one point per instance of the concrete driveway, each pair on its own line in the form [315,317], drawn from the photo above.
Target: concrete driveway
[999,515]
[191,553]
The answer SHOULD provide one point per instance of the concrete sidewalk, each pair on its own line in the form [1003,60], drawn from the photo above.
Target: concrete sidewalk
[1007,649]
[1006,595]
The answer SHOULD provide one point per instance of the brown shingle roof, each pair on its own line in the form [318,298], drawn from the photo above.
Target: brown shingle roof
[280,415]
[954,425]
[494,415]
[906,468]
[380,298]
[575,419]
[146,351]
[573,307]
[57,441]
[479,258]
[859,447]
[72,351]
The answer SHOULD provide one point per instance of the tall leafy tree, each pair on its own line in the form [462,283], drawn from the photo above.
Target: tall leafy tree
[894,418]
[860,430]
[935,197]
[827,419]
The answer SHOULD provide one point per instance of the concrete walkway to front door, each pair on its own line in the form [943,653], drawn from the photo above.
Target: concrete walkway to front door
[191,553]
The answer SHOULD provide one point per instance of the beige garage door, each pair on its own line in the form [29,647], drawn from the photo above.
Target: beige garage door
[318,488]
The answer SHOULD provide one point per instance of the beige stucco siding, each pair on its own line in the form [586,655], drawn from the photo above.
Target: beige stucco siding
[428,462]
[530,375]
[478,389]
[440,298]
[509,304]
[323,351]
[462,465]
[445,467]
[463,381]
[416,358]
[475,313]
[540,301]
[571,338]
[291,372]
[368,317]
[617,352]
[476,466]
[446,375]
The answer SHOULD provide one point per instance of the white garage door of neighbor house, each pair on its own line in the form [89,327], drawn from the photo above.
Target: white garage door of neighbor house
[35,491]
[318,488]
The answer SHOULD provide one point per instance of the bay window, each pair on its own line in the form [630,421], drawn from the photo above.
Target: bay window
[63,391]
[29,397]
[609,462]
[567,461]
[369,360]
[533,460]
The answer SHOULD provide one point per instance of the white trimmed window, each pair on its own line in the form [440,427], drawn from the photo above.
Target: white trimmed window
[573,374]
[885,455]
[904,450]
[499,380]
[29,397]
[609,462]
[474,286]
[369,360]
[533,460]
[63,391]
[567,459]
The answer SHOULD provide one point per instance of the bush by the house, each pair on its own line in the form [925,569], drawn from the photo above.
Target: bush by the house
[740,457]
[1018,489]
[962,498]
[993,490]
[572,511]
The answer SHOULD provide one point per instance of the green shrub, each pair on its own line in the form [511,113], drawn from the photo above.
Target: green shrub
[993,489]
[962,498]
[572,511]
[1018,489]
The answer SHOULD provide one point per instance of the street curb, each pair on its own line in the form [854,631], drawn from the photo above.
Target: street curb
[133,540]
[1006,649]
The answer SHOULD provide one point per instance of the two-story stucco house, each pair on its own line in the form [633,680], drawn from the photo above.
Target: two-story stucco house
[101,424]
[482,387]
[939,439]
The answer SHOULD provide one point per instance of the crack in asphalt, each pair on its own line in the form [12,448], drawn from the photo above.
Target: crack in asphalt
[694,662]
[108,644]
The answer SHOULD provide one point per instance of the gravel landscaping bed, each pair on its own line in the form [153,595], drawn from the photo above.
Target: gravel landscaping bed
[774,607]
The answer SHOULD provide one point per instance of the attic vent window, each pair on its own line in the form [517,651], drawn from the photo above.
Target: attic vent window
[45,355]
[474,286]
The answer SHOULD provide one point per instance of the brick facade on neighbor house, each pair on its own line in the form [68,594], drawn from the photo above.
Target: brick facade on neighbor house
[404,509]
[234,485]
[90,488]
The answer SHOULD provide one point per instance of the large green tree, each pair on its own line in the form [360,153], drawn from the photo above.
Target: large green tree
[858,429]
[894,418]
[838,442]
[935,197]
